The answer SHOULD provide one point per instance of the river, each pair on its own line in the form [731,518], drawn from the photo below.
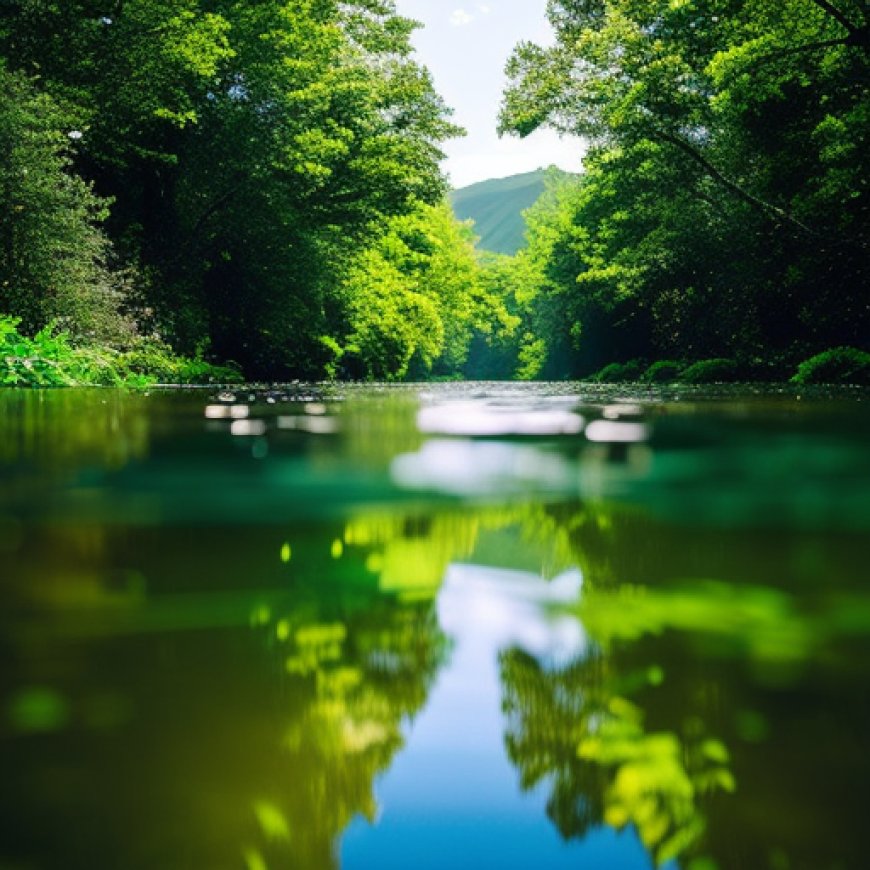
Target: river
[461,625]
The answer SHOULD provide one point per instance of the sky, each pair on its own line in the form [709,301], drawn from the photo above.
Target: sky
[465,44]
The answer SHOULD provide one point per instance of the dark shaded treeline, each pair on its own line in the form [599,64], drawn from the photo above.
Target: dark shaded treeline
[724,208]
[256,181]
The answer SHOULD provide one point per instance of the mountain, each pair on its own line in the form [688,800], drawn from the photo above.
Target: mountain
[496,207]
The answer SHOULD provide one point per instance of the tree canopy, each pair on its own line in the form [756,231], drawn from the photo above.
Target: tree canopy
[724,207]
[249,156]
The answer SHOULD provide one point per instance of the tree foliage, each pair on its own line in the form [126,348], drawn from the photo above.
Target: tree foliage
[417,299]
[259,181]
[256,156]
[724,208]
[53,256]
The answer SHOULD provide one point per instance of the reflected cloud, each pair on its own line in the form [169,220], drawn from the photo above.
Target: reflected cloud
[313,423]
[487,419]
[227,412]
[512,609]
[615,412]
[483,468]
[248,427]
[613,432]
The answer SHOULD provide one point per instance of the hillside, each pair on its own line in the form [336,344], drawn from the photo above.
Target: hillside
[496,206]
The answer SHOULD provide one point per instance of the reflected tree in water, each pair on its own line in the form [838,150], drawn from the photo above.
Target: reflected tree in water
[719,658]
[184,726]
[566,726]
[359,680]
[176,690]
[61,430]
[547,717]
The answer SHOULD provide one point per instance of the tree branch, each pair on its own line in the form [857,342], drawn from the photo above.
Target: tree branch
[802,49]
[729,184]
[217,205]
[835,14]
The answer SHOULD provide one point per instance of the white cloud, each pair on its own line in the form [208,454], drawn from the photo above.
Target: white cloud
[462,17]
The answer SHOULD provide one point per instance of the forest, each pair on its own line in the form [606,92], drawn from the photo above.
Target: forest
[224,189]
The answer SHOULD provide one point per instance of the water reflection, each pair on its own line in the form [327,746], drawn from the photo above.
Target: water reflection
[568,727]
[452,797]
[61,429]
[177,726]
[521,636]
[708,715]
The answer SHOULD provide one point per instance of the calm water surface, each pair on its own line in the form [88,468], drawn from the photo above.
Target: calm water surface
[462,626]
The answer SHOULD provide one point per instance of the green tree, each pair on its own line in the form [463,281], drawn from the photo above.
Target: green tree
[415,299]
[494,349]
[727,204]
[252,151]
[53,256]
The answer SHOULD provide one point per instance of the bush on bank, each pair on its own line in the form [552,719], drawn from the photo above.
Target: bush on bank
[840,365]
[711,371]
[620,373]
[51,359]
[663,372]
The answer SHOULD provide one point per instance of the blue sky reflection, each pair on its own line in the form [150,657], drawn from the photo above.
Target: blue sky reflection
[452,798]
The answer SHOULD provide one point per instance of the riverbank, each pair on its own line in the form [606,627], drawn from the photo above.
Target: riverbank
[839,365]
[52,359]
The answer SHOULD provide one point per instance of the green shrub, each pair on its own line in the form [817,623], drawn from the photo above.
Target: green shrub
[33,362]
[97,366]
[55,259]
[154,359]
[840,365]
[49,359]
[620,373]
[151,359]
[663,372]
[711,371]
[197,371]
